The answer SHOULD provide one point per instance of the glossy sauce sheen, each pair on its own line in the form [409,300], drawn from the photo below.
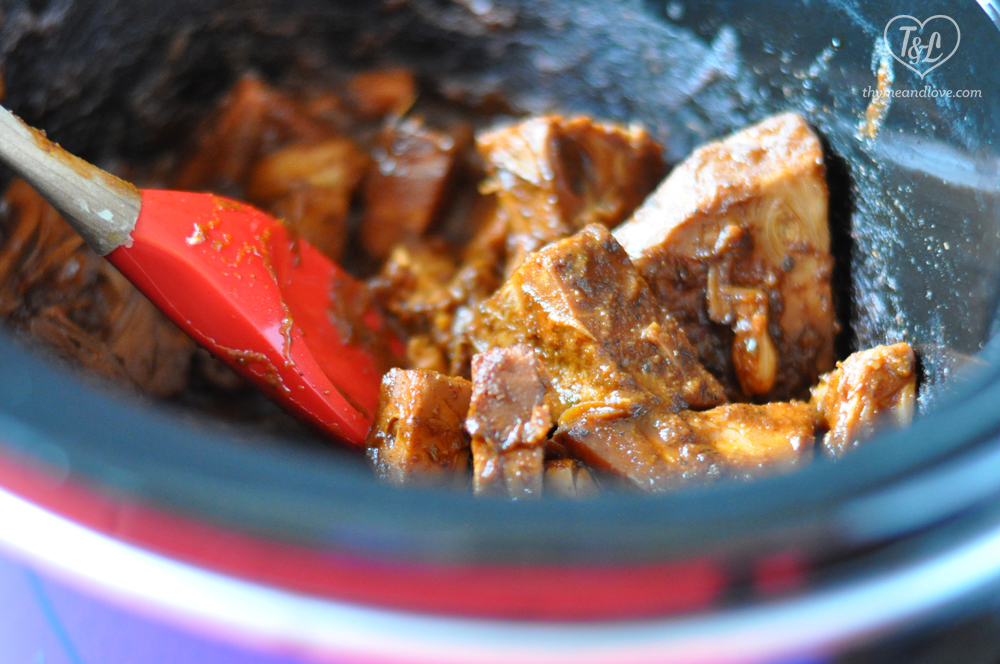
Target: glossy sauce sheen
[509,420]
[582,307]
[725,267]
[554,175]
[871,388]
[736,243]
[417,437]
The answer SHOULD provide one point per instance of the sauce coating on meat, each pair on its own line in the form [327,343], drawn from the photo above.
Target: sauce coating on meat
[370,95]
[433,300]
[736,243]
[554,175]
[661,451]
[253,120]
[509,421]
[310,187]
[417,436]
[871,388]
[547,178]
[596,327]
[405,191]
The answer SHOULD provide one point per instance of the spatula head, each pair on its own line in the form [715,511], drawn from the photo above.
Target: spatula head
[270,306]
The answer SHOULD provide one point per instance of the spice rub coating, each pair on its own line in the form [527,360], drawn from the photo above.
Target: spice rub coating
[509,421]
[553,176]
[736,244]
[418,437]
[661,451]
[871,388]
[591,319]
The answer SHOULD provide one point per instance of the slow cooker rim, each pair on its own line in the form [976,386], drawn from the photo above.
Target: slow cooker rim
[770,630]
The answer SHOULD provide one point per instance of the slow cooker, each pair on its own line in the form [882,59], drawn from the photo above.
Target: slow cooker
[134,531]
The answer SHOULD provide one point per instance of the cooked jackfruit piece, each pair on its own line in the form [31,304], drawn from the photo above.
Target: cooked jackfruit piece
[736,244]
[657,450]
[871,388]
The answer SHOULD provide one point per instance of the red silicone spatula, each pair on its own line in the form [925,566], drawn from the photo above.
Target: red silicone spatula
[226,273]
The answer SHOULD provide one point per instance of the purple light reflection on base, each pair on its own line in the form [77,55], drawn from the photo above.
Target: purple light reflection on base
[45,622]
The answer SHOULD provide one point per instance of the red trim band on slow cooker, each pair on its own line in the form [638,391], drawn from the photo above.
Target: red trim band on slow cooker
[499,591]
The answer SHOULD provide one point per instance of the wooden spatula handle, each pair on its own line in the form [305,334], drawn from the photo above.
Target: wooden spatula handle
[101,207]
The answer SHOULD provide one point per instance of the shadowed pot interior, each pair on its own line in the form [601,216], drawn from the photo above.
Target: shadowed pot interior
[914,214]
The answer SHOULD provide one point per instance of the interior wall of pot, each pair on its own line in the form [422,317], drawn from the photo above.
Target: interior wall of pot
[914,210]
